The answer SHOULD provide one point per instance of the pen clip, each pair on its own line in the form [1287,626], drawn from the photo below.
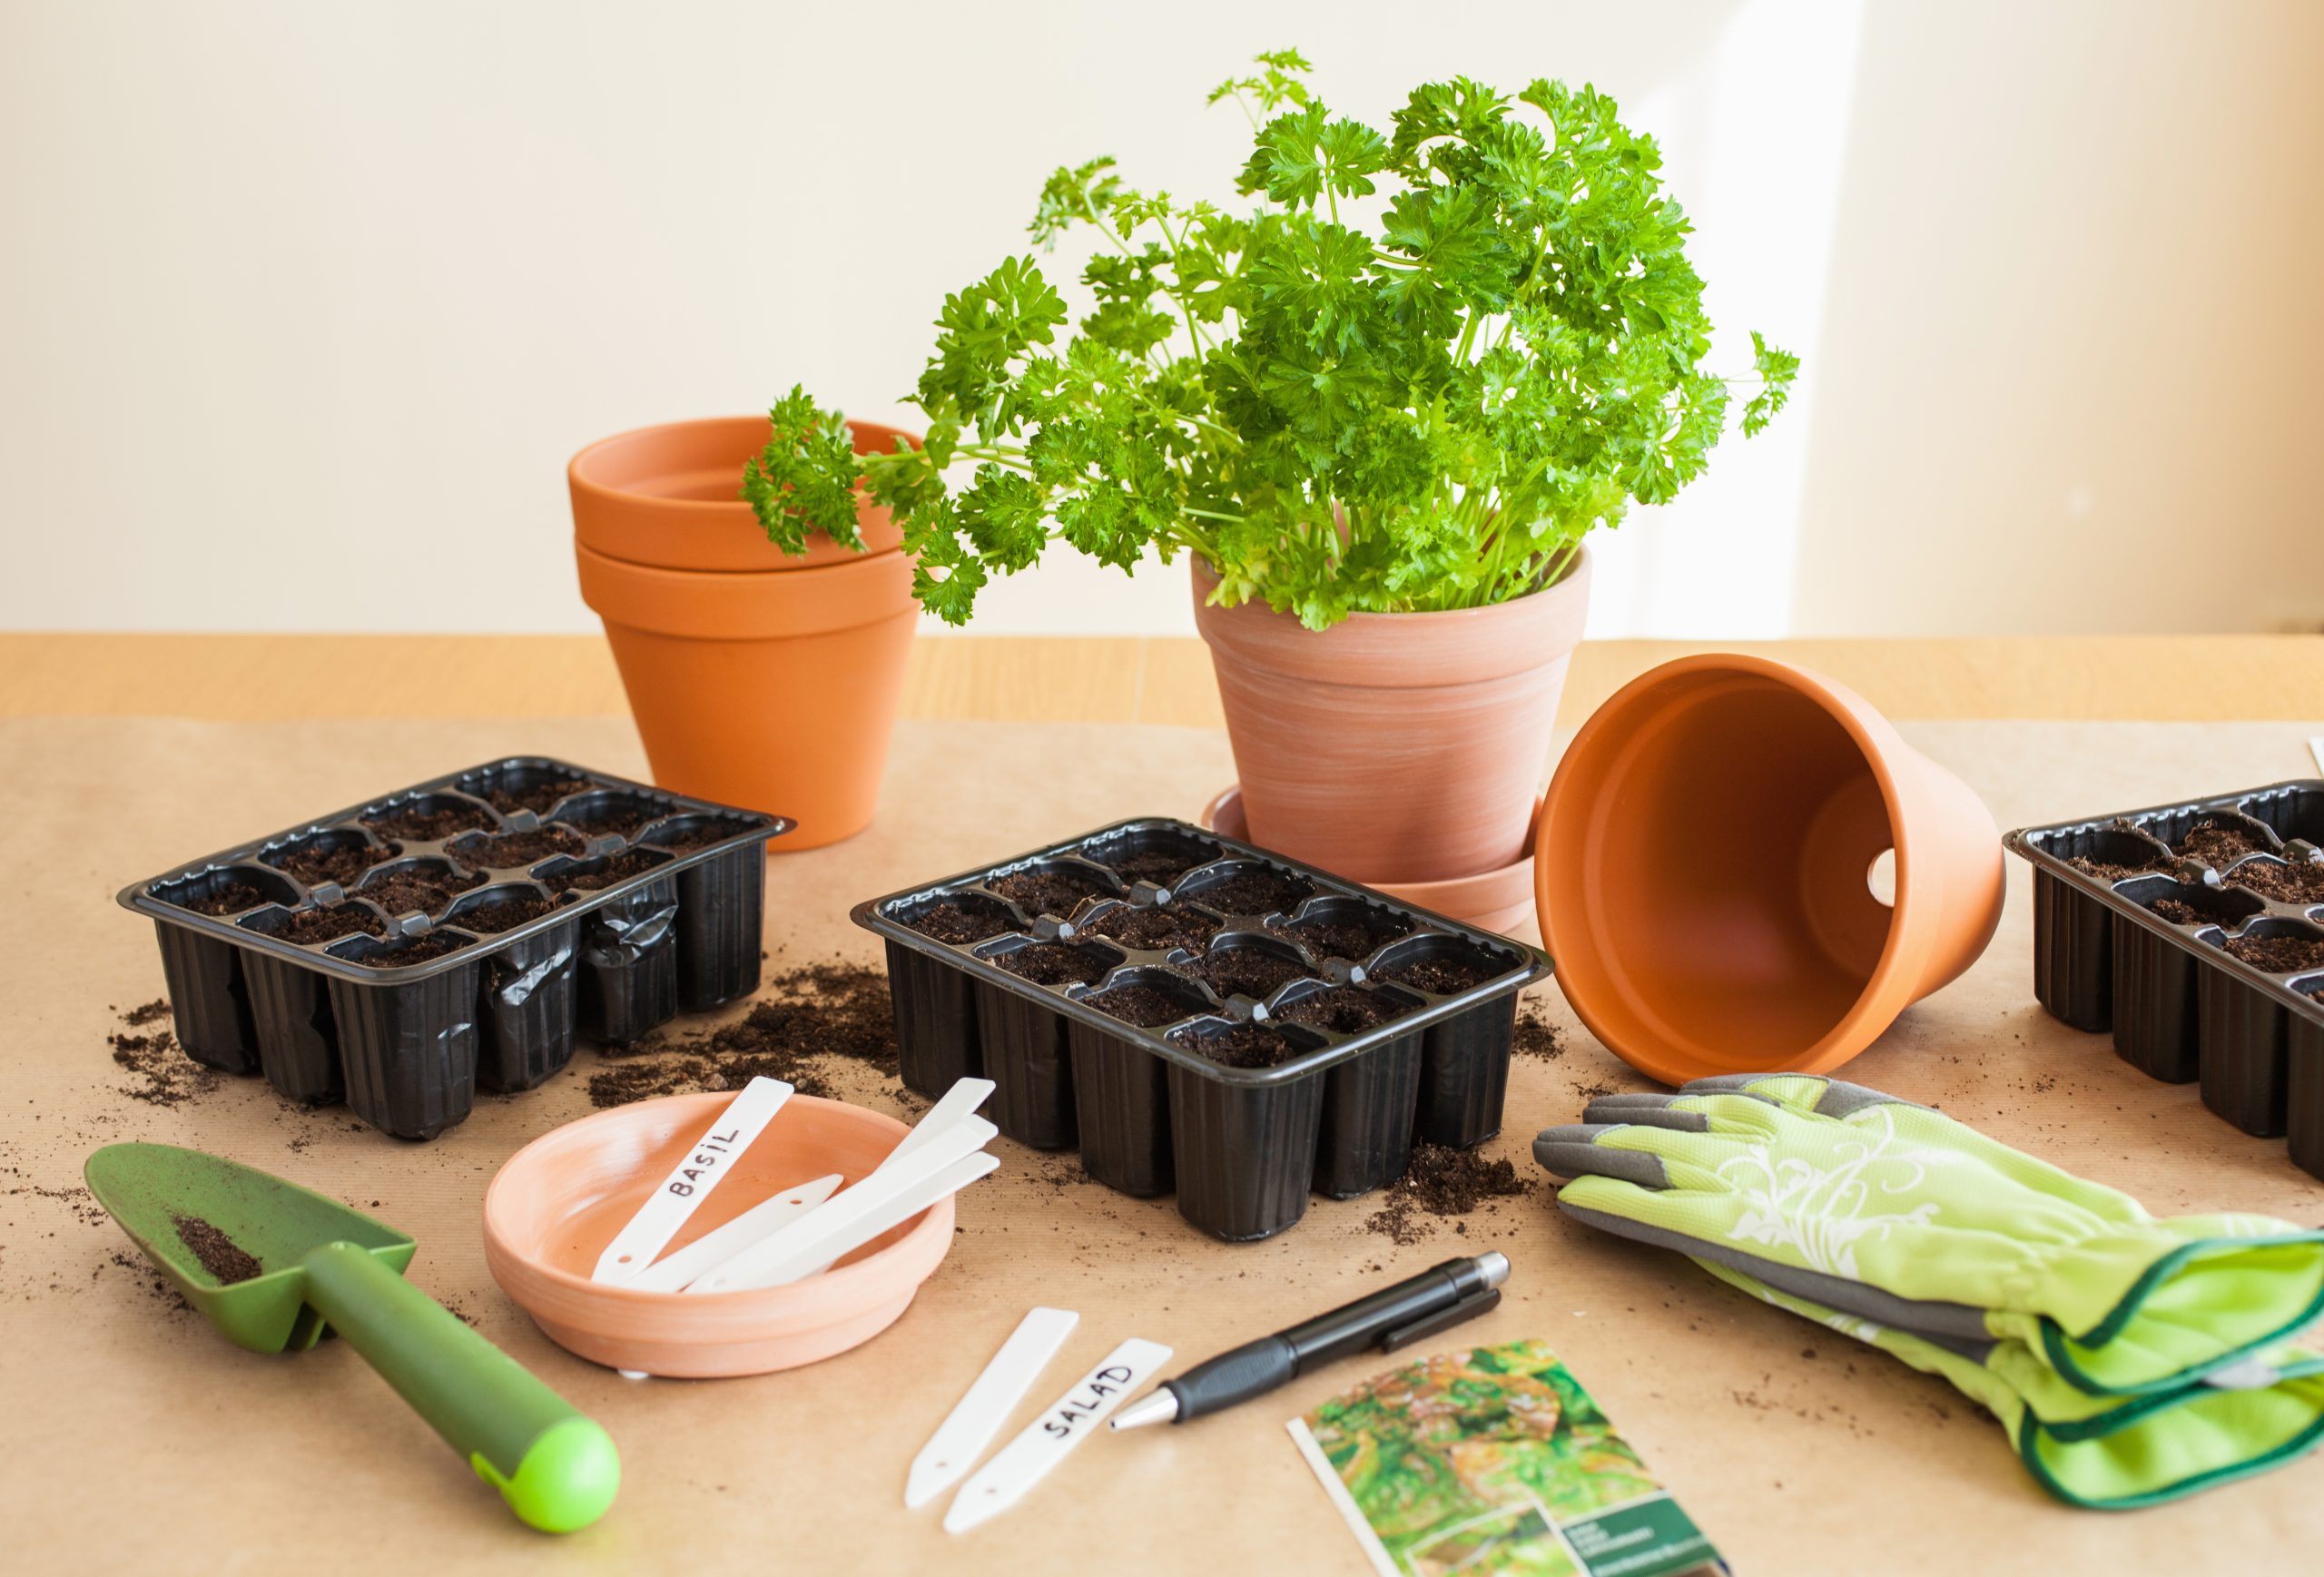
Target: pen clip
[1468,1308]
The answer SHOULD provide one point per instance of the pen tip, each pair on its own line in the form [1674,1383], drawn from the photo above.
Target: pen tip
[1159,1407]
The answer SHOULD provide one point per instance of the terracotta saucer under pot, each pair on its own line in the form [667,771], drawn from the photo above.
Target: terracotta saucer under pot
[558,1201]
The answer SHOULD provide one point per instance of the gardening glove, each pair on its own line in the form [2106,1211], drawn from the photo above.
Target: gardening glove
[1891,1212]
[2108,1453]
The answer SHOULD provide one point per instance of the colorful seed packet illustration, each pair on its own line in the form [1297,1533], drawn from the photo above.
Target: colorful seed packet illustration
[1495,1460]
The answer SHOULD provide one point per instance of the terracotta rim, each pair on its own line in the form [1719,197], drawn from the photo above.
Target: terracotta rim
[1460,897]
[705,535]
[710,606]
[1843,1041]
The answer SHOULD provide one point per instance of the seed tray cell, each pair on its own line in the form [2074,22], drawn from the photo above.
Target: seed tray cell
[462,931]
[1204,1018]
[2194,932]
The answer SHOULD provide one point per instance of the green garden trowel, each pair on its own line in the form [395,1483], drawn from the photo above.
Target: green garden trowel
[313,1265]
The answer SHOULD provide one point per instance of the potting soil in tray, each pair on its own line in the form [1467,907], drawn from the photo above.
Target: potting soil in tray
[2195,934]
[463,930]
[1204,1018]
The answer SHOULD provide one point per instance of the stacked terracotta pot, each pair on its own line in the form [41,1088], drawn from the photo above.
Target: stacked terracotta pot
[756,678]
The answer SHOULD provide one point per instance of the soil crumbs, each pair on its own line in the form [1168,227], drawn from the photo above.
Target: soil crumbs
[1156,930]
[2301,884]
[2218,843]
[219,1255]
[823,1018]
[1535,1035]
[165,1074]
[1443,1182]
[2280,955]
[1256,893]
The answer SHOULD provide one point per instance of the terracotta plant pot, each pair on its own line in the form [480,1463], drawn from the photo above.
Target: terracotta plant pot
[554,1207]
[1501,901]
[1394,747]
[1705,872]
[755,678]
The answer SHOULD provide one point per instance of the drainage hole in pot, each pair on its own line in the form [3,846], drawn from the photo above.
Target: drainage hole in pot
[2284,882]
[340,857]
[410,950]
[1056,890]
[1144,1005]
[505,911]
[1161,858]
[1243,1046]
[1257,890]
[958,922]
[429,819]
[525,788]
[1344,1010]
[1880,876]
[1247,971]
[1154,930]
[697,833]
[2218,841]
[510,850]
[313,927]
[600,875]
[425,887]
[614,814]
[2279,953]
[1057,963]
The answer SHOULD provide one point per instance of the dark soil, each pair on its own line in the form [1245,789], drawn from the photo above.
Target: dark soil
[2179,911]
[2104,872]
[1252,971]
[1443,1182]
[960,924]
[428,826]
[536,794]
[492,919]
[315,926]
[1160,863]
[823,1018]
[1052,963]
[1344,1010]
[2280,955]
[698,837]
[409,890]
[165,1075]
[227,898]
[1535,1035]
[1056,891]
[2218,842]
[620,868]
[1349,939]
[1243,1046]
[513,849]
[2300,884]
[1442,976]
[219,1254]
[616,821]
[1256,893]
[1143,1005]
[321,863]
[417,950]
[1157,929]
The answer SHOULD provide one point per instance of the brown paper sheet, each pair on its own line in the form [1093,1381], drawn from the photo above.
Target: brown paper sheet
[139,1440]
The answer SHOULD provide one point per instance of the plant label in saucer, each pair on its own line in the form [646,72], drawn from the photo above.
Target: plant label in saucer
[701,1168]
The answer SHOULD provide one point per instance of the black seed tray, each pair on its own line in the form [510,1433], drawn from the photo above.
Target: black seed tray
[1151,1114]
[2148,945]
[275,951]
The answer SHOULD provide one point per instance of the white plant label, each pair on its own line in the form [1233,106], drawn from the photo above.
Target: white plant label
[673,1271]
[978,1416]
[1068,1421]
[701,1168]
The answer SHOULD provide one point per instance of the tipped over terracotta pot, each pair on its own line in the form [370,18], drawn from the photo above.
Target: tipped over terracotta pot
[1394,747]
[755,677]
[1706,867]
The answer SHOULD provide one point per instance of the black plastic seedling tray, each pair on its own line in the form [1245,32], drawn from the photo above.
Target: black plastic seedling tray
[2195,933]
[1223,945]
[279,953]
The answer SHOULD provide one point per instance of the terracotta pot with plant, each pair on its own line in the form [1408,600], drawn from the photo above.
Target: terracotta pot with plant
[763,655]
[1380,409]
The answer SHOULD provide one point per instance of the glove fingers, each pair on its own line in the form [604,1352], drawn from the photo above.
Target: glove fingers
[1646,1110]
[1572,1151]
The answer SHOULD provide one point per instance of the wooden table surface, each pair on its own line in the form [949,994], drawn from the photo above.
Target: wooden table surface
[1128,679]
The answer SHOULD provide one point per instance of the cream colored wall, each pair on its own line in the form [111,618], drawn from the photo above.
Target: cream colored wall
[319,298]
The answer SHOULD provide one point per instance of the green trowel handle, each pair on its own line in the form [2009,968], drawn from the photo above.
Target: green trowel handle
[557,1469]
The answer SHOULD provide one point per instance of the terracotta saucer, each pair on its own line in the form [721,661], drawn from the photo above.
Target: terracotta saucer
[1496,901]
[558,1201]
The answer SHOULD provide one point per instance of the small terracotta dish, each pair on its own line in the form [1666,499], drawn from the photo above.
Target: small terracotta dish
[558,1201]
[1498,900]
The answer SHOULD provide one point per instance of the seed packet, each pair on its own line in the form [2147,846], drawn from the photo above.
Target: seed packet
[1494,1460]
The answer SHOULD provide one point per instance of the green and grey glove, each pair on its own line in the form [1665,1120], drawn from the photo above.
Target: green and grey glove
[1886,1211]
[2108,1453]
